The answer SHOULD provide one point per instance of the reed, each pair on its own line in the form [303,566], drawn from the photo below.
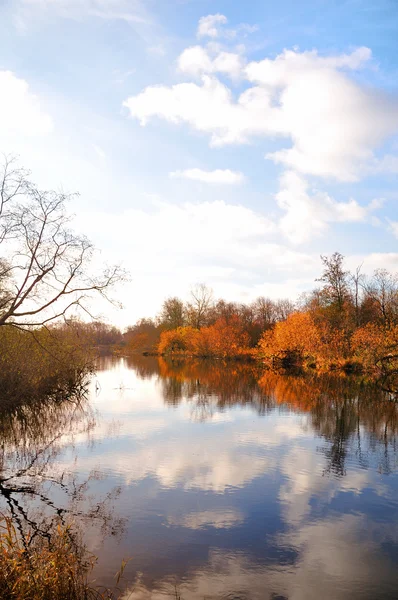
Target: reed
[37,568]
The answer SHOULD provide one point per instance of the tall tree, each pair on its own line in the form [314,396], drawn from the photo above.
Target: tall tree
[336,280]
[172,314]
[199,308]
[382,290]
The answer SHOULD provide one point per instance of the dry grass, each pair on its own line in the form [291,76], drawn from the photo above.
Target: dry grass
[34,568]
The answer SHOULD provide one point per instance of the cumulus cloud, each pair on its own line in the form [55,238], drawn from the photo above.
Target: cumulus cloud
[222,176]
[208,108]
[196,61]
[308,214]
[209,26]
[334,123]
[20,110]
[213,26]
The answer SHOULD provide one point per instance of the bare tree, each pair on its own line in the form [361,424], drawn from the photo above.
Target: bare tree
[265,312]
[283,308]
[44,265]
[357,280]
[200,305]
[382,289]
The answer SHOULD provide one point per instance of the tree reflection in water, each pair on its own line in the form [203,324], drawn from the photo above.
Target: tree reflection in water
[329,536]
[341,409]
[353,423]
[34,487]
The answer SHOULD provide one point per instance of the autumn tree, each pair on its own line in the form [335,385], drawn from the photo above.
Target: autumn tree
[104,334]
[172,314]
[336,291]
[45,267]
[143,336]
[223,339]
[297,337]
[376,347]
[181,340]
[224,310]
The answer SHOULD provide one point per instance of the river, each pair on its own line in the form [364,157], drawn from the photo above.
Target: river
[219,481]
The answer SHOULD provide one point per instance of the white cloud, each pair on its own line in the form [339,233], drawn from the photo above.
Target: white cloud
[335,124]
[197,61]
[229,246]
[212,26]
[20,110]
[208,26]
[208,108]
[223,176]
[375,260]
[194,61]
[309,214]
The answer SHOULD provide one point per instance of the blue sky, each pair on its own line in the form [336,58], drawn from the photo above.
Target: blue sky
[229,142]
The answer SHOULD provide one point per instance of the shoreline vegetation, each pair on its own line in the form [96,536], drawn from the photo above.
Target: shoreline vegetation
[348,323]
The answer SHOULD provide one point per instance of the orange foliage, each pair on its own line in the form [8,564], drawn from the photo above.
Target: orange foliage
[224,339]
[376,346]
[180,340]
[301,337]
[297,334]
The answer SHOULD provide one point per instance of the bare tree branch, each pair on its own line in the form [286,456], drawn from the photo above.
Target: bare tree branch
[45,267]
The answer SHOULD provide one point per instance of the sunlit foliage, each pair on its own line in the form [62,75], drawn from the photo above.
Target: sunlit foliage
[349,322]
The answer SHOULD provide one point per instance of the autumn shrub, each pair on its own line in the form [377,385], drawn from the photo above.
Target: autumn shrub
[297,336]
[333,347]
[376,347]
[300,339]
[36,568]
[181,341]
[40,363]
[224,339]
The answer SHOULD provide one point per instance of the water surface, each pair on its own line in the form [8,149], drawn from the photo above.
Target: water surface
[220,481]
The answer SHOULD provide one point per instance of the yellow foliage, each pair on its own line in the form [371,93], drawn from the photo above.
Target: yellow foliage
[180,340]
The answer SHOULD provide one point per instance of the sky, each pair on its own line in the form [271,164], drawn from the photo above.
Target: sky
[224,142]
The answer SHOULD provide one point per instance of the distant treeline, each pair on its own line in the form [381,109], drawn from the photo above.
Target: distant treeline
[348,321]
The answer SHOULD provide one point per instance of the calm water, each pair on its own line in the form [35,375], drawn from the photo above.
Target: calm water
[219,481]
